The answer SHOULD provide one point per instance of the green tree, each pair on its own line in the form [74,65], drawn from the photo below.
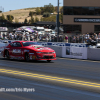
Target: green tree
[51,19]
[42,10]
[36,19]
[31,13]
[47,14]
[25,21]
[3,17]
[38,11]
[31,20]
[49,8]
[56,9]
[34,13]
[10,18]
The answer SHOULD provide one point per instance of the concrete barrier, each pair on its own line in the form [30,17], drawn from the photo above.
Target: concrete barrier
[93,53]
[74,52]
[2,45]
[58,50]
[70,50]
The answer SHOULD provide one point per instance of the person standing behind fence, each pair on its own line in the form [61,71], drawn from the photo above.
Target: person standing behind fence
[74,39]
[4,36]
[31,37]
[99,38]
[60,39]
[66,38]
[10,35]
[15,36]
[35,37]
[87,37]
[52,38]
[77,39]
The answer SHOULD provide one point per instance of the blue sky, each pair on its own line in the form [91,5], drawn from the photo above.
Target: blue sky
[20,4]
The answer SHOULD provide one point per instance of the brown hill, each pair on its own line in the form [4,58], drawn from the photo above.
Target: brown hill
[20,14]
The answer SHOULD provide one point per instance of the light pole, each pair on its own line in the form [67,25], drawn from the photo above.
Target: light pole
[58,24]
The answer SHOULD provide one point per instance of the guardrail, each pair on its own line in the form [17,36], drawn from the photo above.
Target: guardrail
[68,50]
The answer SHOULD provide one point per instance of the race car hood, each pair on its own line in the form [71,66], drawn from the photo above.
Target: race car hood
[41,48]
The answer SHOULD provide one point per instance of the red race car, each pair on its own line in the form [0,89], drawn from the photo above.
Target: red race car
[27,50]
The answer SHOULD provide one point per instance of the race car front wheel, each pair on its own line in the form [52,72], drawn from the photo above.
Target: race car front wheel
[27,57]
[7,54]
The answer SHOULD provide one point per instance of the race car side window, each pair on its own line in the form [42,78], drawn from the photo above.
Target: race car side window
[16,44]
[12,44]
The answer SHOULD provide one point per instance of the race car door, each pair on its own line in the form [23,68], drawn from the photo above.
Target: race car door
[16,49]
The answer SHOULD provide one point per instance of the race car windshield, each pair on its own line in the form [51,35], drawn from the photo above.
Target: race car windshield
[30,43]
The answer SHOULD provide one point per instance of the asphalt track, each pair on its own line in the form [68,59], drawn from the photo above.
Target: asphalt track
[63,79]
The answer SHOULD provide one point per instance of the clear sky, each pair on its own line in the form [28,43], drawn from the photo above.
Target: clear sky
[20,4]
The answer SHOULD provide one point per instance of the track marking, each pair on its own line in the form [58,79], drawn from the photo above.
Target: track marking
[40,76]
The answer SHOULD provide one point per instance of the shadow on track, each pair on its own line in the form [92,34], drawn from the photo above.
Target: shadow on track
[31,61]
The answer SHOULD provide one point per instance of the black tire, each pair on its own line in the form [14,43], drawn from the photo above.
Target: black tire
[48,60]
[27,57]
[7,54]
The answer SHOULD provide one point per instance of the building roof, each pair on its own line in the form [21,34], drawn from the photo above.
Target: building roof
[46,23]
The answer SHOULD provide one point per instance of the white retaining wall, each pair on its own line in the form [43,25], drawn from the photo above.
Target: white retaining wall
[93,53]
[73,50]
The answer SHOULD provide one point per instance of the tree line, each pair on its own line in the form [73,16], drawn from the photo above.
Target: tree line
[47,13]
[8,17]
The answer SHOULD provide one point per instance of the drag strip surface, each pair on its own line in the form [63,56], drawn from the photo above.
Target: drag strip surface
[42,91]
[61,67]
[39,76]
[76,75]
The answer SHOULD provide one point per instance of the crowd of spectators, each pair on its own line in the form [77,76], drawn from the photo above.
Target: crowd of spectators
[78,38]
[89,38]
[26,36]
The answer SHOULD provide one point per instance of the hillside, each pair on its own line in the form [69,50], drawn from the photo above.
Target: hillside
[21,14]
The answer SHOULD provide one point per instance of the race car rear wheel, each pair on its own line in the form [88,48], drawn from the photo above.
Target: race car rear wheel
[48,60]
[27,57]
[7,54]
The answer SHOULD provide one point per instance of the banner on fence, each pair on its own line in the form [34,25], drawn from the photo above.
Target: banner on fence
[74,52]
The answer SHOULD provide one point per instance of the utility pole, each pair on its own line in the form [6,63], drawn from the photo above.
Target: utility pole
[58,24]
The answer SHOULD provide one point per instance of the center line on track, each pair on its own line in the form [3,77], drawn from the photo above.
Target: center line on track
[40,76]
